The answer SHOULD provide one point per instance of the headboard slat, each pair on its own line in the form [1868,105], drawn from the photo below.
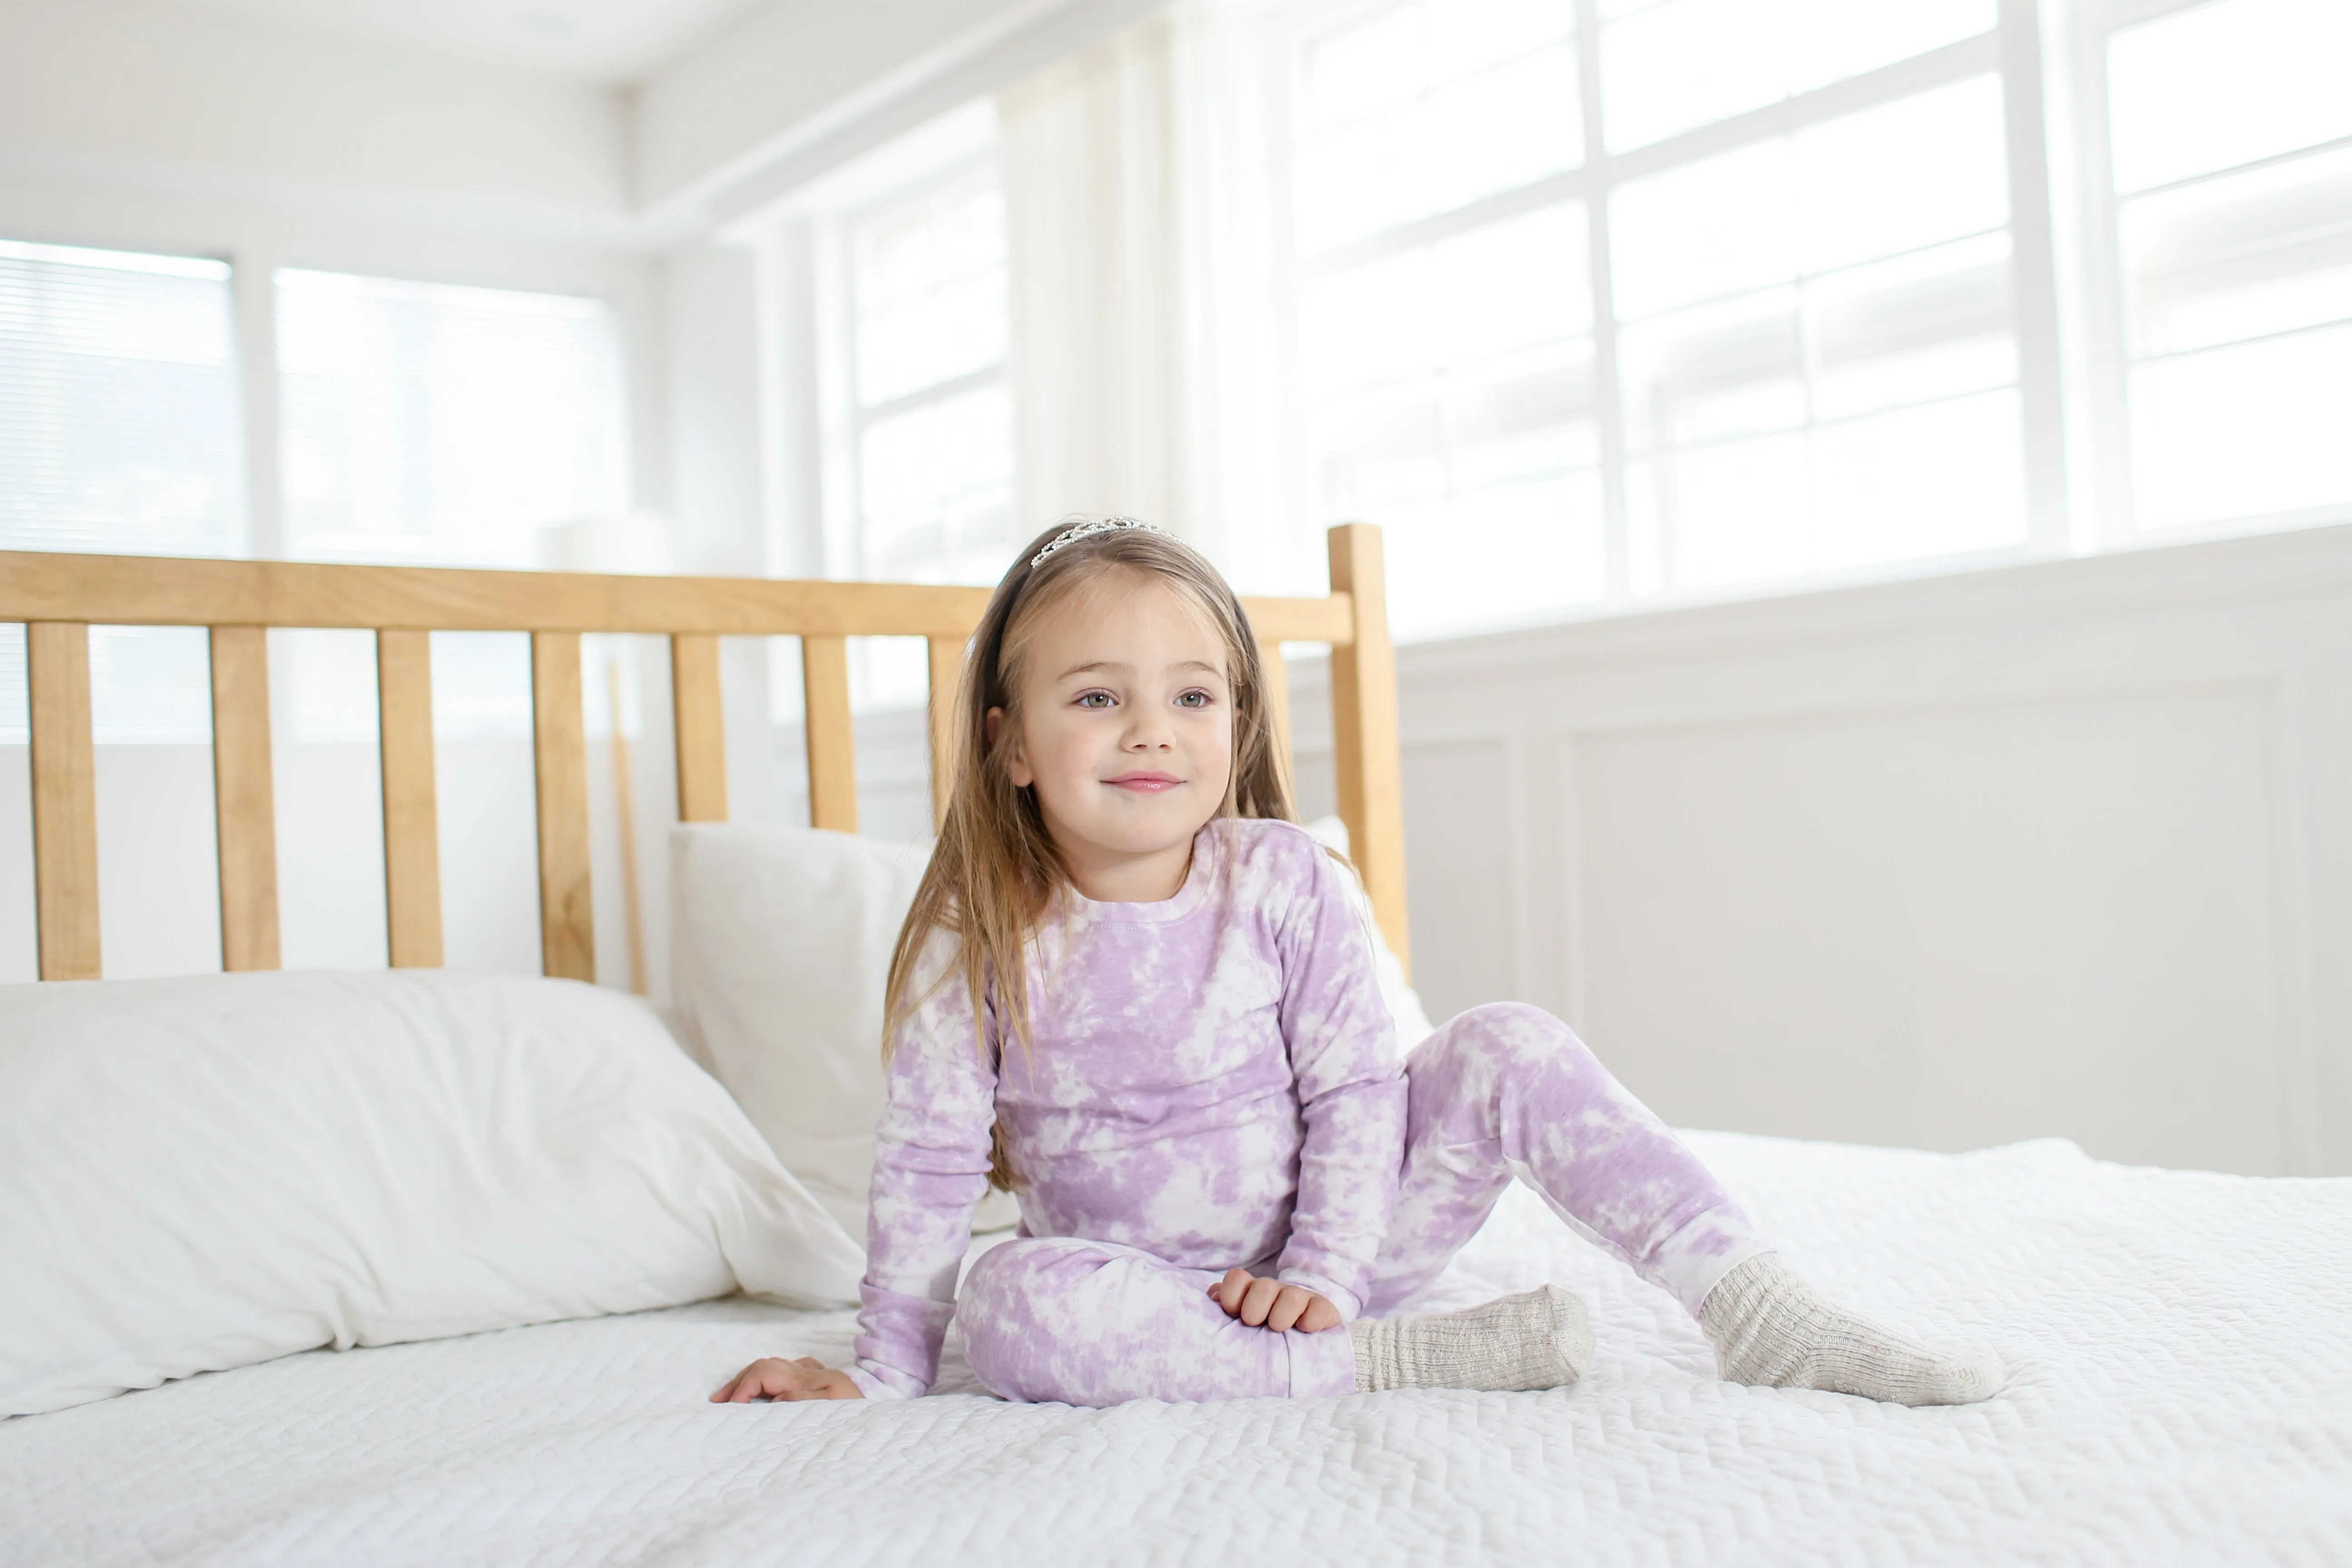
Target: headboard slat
[65,799]
[832,738]
[1364,731]
[244,809]
[412,834]
[567,921]
[947,669]
[699,716]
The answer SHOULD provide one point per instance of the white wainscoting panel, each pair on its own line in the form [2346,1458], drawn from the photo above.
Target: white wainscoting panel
[2062,849]
[1943,926]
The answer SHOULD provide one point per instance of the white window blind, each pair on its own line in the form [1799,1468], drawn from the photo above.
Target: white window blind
[119,423]
[118,432]
[441,424]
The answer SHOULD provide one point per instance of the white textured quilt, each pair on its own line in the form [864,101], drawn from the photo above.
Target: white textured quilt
[2182,1347]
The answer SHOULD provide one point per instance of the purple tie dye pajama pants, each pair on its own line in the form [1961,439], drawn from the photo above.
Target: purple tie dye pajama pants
[1501,1090]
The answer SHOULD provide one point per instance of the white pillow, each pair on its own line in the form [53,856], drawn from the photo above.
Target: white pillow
[780,944]
[202,1172]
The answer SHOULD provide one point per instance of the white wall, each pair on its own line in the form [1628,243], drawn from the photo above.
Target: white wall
[2062,849]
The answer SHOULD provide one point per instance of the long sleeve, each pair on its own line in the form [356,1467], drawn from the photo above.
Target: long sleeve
[1351,1085]
[930,1170]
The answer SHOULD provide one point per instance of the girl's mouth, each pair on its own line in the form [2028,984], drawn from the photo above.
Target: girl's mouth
[1149,783]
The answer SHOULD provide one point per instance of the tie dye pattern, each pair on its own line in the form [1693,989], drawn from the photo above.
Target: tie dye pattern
[1214,1082]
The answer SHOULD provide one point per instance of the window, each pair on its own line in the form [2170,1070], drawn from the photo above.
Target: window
[118,432]
[118,403]
[932,421]
[1763,329]
[901,258]
[1818,367]
[444,425]
[2230,145]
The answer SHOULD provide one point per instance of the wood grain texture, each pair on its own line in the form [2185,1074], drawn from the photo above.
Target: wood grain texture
[412,832]
[65,800]
[947,670]
[699,718]
[243,798]
[1364,731]
[135,590]
[832,738]
[567,920]
[1276,677]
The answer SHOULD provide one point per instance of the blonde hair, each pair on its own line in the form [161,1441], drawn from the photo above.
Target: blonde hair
[995,870]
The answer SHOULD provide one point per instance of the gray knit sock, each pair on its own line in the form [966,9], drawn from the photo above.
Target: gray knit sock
[1537,1339]
[1772,1329]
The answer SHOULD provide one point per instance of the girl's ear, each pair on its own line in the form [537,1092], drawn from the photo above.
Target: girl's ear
[1016,766]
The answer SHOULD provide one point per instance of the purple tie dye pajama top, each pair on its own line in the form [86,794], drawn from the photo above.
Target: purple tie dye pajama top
[1212,1079]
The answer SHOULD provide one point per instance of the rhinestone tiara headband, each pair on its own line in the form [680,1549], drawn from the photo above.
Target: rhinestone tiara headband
[1087,529]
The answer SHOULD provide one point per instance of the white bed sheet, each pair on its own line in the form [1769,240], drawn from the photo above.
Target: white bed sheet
[2182,1347]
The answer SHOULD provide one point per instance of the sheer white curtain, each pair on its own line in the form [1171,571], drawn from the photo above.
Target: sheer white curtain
[1093,232]
[1148,351]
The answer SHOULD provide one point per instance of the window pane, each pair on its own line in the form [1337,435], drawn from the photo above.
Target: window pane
[1505,553]
[937,482]
[2243,431]
[1425,107]
[1451,399]
[1669,67]
[1856,189]
[2237,286]
[1814,323]
[435,423]
[929,278]
[1937,479]
[119,424]
[2220,85]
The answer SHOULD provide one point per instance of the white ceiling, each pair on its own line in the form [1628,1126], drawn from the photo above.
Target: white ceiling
[585,40]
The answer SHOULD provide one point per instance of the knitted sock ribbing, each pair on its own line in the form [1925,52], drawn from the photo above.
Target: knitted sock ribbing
[1537,1339]
[1771,1328]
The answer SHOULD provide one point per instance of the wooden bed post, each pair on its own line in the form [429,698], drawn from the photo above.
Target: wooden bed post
[65,799]
[244,809]
[567,918]
[1364,730]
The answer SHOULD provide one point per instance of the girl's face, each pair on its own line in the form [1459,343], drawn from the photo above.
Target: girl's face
[1125,734]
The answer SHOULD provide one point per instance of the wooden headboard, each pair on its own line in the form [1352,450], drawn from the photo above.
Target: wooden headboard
[60,596]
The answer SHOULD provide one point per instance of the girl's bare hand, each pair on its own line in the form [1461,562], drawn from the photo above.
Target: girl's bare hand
[1261,1301]
[772,1377]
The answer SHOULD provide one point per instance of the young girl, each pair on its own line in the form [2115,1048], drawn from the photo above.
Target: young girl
[1132,991]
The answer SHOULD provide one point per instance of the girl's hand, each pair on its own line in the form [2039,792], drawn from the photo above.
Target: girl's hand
[772,1377]
[1261,1301]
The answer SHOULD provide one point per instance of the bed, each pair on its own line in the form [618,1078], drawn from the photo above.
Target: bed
[2180,1345]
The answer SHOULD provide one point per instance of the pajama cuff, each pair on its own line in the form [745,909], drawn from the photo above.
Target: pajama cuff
[874,1387]
[1350,1309]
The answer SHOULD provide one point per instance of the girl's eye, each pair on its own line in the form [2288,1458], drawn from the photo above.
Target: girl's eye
[1094,699]
[1194,699]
